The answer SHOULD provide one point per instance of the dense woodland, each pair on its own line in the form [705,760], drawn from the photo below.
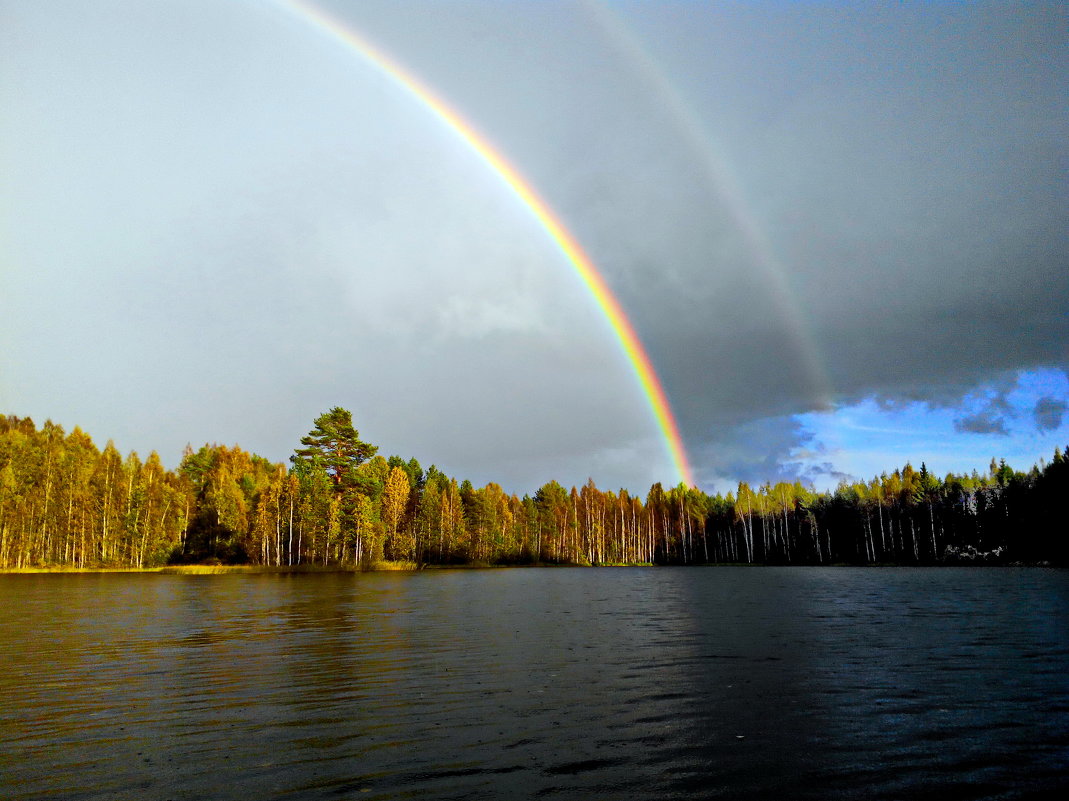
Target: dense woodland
[65,502]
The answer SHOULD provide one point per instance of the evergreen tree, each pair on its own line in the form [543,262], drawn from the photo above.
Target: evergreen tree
[334,445]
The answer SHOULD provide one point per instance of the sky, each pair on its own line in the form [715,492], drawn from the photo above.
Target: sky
[838,230]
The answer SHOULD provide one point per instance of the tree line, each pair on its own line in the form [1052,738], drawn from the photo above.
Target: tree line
[65,502]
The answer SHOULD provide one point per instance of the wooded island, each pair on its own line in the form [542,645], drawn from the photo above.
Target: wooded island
[66,503]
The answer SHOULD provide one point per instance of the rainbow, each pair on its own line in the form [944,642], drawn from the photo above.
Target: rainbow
[595,284]
[710,157]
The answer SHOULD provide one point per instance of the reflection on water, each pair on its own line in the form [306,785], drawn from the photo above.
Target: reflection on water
[628,683]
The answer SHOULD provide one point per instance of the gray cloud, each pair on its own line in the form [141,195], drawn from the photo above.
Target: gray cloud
[994,412]
[1048,413]
[918,222]
[769,449]
[988,421]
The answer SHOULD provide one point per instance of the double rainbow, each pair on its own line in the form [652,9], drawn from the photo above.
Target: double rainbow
[573,252]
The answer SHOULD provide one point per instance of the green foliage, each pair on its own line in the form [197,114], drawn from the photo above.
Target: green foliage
[334,446]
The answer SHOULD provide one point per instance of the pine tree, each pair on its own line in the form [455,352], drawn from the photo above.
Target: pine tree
[335,446]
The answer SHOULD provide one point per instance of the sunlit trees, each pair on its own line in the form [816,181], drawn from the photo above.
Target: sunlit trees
[362,536]
[745,501]
[427,522]
[339,483]
[236,511]
[552,503]
[334,445]
[156,522]
[400,544]
[64,502]
[453,522]
[9,507]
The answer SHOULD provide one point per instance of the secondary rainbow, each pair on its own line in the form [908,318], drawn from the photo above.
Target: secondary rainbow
[573,252]
[711,158]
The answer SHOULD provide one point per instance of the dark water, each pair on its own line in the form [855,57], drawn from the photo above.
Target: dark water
[614,683]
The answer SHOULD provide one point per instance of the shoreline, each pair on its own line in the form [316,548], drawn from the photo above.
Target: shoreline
[413,567]
[192,570]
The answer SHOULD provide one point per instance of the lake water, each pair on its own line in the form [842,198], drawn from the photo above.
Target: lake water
[522,683]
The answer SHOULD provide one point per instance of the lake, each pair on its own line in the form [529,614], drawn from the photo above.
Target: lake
[948,683]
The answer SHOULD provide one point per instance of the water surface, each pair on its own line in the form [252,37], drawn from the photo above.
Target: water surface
[616,683]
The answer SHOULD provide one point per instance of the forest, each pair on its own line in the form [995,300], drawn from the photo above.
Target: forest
[65,503]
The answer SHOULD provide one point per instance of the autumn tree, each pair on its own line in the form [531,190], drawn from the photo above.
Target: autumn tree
[399,544]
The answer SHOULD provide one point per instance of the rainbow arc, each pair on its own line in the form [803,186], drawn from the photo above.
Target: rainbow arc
[592,280]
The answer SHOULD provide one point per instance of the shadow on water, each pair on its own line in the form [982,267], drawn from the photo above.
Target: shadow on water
[901,683]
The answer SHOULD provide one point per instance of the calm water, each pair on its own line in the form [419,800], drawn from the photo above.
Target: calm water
[567,683]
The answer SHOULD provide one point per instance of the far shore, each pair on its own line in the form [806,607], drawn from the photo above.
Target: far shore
[413,567]
[193,570]
[376,567]
[214,569]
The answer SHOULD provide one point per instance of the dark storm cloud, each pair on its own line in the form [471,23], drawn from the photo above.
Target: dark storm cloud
[910,188]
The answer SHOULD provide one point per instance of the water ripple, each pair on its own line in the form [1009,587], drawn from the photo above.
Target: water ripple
[526,683]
